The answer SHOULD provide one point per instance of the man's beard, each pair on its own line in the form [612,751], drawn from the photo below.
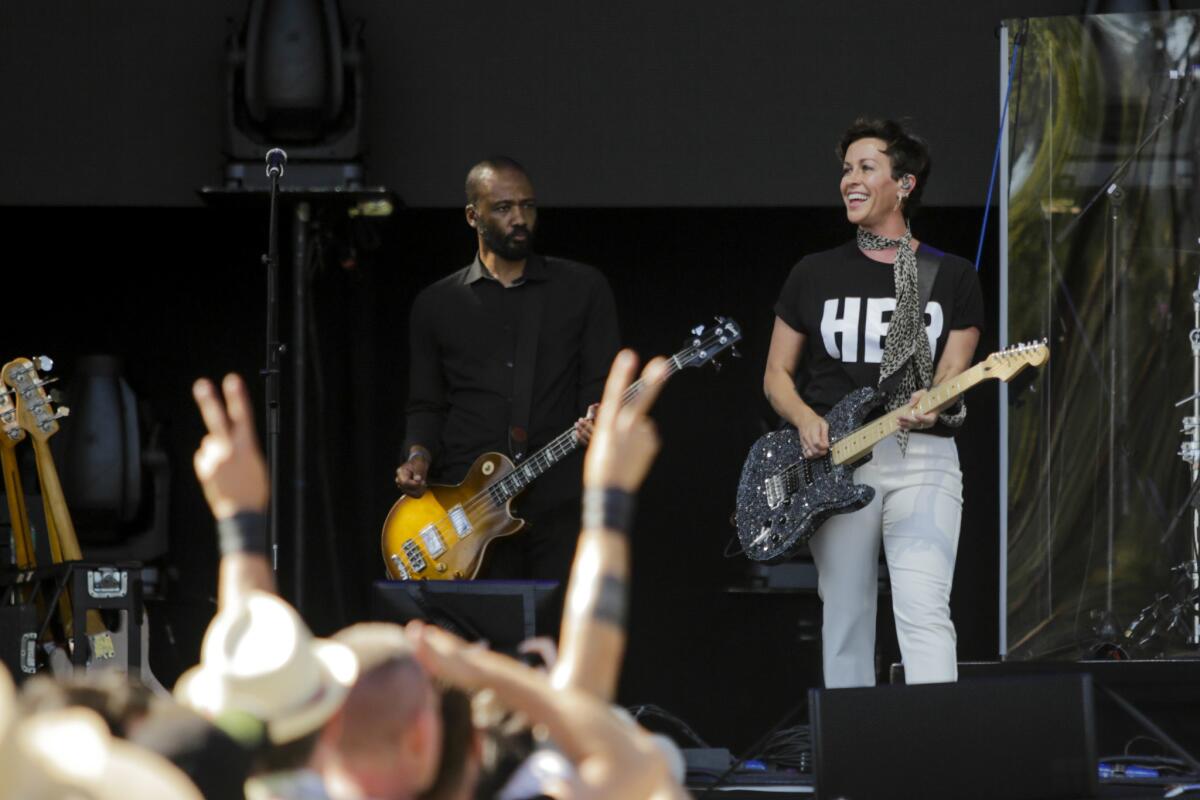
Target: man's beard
[508,246]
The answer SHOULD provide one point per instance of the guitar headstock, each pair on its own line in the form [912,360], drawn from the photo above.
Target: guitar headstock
[1005,364]
[10,430]
[709,341]
[34,413]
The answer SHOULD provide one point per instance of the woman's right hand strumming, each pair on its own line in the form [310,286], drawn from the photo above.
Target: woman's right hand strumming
[814,434]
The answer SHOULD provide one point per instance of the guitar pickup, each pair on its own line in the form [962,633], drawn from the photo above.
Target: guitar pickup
[461,522]
[773,488]
[415,558]
[401,570]
[434,543]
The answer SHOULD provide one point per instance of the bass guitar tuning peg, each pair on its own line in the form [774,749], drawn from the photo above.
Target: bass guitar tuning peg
[44,363]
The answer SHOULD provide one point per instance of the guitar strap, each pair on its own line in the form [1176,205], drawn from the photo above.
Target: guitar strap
[526,362]
[928,261]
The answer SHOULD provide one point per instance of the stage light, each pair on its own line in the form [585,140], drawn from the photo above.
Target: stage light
[295,78]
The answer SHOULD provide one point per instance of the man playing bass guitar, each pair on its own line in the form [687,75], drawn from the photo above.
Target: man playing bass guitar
[505,353]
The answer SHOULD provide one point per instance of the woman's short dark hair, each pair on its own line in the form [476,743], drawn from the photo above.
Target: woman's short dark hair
[909,153]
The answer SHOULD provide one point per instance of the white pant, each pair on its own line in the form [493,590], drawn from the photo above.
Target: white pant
[916,513]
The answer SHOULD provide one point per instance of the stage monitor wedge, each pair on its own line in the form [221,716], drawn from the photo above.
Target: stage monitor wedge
[1021,738]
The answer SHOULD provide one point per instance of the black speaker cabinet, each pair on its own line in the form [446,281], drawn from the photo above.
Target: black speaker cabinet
[1019,738]
[503,613]
[1167,691]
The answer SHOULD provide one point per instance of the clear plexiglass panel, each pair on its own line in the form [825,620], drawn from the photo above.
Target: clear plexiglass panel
[1103,262]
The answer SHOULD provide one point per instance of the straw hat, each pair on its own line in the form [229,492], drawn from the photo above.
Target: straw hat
[71,754]
[260,658]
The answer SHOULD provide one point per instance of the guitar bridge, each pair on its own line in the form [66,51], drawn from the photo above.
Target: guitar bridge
[415,558]
[398,565]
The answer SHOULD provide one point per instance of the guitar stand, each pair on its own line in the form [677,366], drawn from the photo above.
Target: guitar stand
[93,585]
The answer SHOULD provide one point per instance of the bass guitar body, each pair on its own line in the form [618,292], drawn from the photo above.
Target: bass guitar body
[444,533]
[783,498]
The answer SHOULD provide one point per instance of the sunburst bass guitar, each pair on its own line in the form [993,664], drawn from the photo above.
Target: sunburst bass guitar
[444,533]
[783,498]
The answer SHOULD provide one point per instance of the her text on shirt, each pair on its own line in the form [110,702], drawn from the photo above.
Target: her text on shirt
[840,330]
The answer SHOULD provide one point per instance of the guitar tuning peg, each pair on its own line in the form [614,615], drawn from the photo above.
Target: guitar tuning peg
[61,412]
[698,330]
[44,363]
[733,351]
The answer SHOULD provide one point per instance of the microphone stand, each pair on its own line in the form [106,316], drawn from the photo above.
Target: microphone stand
[276,159]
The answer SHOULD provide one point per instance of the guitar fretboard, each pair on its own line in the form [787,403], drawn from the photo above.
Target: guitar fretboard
[859,442]
[567,442]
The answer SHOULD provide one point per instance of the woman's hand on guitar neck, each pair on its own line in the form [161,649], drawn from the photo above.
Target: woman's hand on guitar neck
[624,441]
[229,463]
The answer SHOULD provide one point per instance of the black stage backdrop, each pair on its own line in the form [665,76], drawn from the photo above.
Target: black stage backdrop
[180,292]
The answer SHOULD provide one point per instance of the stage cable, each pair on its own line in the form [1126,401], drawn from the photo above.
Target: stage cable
[754,749]
[1018,41]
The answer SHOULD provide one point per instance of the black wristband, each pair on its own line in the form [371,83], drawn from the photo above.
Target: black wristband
[612,601]
[611,509]
[244,532]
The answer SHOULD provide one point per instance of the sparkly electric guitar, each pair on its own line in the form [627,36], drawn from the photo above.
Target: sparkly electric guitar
[783,498]
[443,534]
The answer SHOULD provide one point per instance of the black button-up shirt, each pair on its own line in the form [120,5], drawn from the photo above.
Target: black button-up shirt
[463,343]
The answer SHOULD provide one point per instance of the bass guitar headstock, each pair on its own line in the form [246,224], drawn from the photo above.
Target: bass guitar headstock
[11,431]
[709,341]
[34,413]
[1005,364]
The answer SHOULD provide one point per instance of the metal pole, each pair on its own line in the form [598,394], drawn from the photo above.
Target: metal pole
[300,232]
[1194,465]
[1115,196]
[1005,78]
[271,370]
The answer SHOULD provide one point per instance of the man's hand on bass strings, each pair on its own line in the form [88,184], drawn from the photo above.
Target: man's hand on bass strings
[585,425]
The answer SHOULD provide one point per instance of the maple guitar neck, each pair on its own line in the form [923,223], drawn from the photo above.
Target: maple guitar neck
[859,442]
[17,513]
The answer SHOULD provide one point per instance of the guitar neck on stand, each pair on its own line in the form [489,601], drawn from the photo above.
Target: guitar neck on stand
[39,420]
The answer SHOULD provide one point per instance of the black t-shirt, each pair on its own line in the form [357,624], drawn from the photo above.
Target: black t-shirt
[842,301]
[463,334]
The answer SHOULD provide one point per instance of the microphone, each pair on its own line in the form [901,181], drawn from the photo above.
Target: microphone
[276,159]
